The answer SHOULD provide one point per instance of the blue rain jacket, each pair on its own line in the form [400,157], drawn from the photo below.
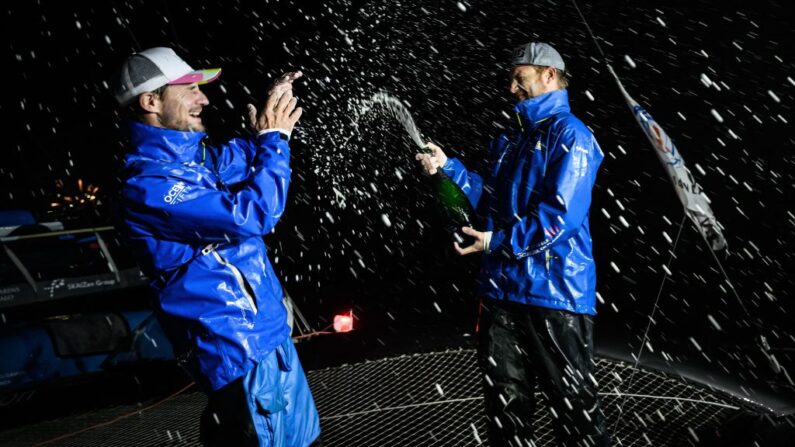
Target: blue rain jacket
[536,200]
[195,216]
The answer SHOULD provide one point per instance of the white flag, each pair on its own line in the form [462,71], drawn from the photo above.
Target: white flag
[690,193]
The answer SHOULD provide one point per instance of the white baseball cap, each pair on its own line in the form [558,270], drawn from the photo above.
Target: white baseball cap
[153,68]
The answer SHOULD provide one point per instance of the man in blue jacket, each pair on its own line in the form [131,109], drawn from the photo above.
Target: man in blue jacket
[195,214]
[538,280]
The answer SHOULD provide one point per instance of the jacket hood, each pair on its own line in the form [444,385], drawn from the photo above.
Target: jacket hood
[164,144]
[534,110]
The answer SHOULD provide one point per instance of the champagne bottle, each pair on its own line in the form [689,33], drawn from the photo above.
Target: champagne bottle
[454,205]
[452,202]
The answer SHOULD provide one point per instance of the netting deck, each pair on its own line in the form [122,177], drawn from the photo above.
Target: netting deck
[429,399]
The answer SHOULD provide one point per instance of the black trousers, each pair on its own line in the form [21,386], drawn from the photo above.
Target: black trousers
[226,421]
[521,346]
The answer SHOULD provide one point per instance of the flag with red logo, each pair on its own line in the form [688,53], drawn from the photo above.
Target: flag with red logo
[690,193]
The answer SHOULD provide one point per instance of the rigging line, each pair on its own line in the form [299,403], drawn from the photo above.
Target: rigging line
[726,277]
[588,27]
[676,398]
[171,24]
[673,250]
[659,292]
[401,407]
[468,399]
[604,57]
[720,265]
[753,323]
[126,24]
[651,319]
[116,419]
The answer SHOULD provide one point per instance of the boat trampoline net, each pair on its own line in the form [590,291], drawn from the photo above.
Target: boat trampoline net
[431,399]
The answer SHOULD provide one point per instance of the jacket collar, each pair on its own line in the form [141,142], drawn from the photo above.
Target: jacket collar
[164,144]
[533,111]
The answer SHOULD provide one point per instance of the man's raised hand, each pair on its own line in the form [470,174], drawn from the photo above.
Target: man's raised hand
[280,111]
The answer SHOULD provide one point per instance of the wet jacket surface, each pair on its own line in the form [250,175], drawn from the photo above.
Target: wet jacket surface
[536,200]
[195,215]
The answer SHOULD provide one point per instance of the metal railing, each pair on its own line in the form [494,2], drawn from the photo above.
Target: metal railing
[12,294]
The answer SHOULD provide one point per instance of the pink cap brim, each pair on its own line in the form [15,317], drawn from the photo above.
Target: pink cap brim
[199,77]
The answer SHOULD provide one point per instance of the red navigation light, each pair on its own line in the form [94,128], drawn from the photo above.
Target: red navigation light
[343,322]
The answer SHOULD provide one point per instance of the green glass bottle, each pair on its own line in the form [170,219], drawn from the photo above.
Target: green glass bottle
[453,204]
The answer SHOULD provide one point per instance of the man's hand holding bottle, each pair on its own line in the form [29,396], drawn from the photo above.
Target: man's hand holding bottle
[432,159]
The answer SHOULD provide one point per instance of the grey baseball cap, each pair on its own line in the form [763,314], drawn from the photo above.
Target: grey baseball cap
[538,53]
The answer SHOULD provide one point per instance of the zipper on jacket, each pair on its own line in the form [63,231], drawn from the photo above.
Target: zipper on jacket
[213,164]
[241,281]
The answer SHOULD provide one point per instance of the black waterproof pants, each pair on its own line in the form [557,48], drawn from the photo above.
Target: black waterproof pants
[226,421]
[521,346]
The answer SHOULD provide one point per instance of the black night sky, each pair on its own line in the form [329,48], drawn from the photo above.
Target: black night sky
[358,231]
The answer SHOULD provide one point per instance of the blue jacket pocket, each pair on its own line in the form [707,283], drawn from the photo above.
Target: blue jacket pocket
[271,401]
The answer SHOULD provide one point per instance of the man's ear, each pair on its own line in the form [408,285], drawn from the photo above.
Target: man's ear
[149,102]
[550,74]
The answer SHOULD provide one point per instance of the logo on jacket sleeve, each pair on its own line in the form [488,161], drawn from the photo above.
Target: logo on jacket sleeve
[174,195]
[552,231]
[580,148]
